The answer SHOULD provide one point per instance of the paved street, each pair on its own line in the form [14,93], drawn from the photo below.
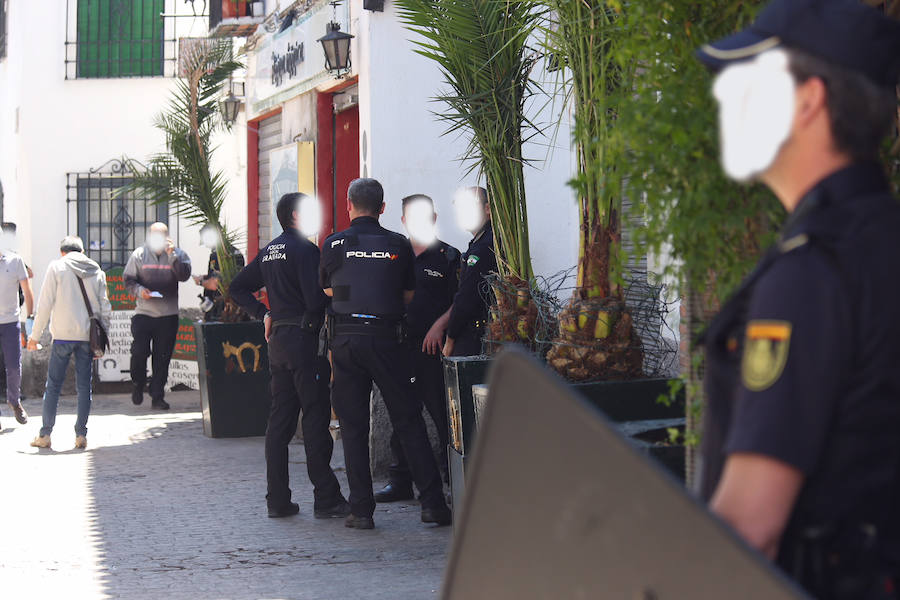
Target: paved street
[153,509]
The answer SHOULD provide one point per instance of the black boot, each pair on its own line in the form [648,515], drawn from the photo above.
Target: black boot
[292,508]
[441,516]
[354,522]
[394,492]
[137,395]
[339,510]
[160,404]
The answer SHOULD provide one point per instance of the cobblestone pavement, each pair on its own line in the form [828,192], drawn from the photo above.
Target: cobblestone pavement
[154,509]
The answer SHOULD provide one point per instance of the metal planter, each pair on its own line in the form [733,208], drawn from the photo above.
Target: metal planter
[234,378]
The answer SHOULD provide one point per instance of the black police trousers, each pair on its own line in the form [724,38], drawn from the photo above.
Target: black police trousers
[469,341]
[358,361]
[428,390]
[162,333]
[299,380]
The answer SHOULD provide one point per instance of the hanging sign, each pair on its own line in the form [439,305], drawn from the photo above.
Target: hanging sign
[287,63]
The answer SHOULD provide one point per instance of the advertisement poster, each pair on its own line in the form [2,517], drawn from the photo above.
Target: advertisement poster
[115,364]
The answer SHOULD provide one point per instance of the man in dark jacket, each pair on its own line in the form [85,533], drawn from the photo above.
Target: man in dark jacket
[469,313]
[288,268]
[152,276]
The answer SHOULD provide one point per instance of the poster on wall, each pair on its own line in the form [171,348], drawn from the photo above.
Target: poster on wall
[282,179]
[115,364]
[293,169]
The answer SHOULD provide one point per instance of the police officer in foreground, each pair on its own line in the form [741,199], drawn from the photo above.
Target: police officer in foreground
[801,442]
[288,268]
[369,273]
[437,270]
[469,313]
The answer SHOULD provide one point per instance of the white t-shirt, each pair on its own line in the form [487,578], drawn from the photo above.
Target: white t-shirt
[12,271]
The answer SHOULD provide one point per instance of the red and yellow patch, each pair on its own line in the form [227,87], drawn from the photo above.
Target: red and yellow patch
[765,353]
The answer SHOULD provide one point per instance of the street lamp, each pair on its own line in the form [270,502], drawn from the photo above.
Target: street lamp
[336,45]
[230,107]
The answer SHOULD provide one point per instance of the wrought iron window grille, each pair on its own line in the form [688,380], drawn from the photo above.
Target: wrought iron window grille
[129,38]
[110,227]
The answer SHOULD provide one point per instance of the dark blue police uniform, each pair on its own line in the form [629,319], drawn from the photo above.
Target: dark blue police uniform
[288,268]
[368,268]
[470,309]
[437,273]
[803,365]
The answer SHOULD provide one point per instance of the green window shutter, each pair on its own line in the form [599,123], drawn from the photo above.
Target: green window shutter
[120,38]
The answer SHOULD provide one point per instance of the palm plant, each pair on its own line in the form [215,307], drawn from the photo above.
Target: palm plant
[182,176]
[482,49]
[597,337]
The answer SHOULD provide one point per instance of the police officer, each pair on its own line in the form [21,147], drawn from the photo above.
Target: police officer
[801,442]
[437,270]
[213,304]
[288,268]
[469,314]
[369,273]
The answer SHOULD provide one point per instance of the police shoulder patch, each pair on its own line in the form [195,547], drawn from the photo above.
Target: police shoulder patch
[472,260]
[765,353]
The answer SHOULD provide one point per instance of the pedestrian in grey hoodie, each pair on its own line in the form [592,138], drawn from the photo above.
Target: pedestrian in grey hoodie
[62,306]
[152,276]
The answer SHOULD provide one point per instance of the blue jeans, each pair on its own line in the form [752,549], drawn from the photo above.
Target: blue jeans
[56,375]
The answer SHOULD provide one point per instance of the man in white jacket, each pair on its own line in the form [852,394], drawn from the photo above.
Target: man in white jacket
[63,307]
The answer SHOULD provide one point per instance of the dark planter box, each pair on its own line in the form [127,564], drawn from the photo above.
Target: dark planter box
[234,378]
[633,405]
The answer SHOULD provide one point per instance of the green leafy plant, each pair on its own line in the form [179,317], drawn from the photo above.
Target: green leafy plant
[597,339]
[481,47]
[182,176]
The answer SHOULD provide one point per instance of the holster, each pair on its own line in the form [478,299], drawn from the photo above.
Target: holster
[842,563]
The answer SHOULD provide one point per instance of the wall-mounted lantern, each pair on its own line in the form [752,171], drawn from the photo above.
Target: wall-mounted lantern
[336,45]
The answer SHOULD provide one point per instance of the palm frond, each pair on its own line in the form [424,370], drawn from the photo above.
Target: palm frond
[182,176]
[481,48]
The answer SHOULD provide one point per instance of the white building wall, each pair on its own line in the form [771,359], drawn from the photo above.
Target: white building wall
[403,147]
[75,125]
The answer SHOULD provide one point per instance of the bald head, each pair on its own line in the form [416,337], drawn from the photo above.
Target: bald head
[159,228]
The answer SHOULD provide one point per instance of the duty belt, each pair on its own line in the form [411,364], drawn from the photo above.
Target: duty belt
[368,325]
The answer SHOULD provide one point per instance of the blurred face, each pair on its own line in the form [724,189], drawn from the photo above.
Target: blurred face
[419,219]
[308,216]
[471,214]
[756,112]
[209,237]
[156,241]
[8,240]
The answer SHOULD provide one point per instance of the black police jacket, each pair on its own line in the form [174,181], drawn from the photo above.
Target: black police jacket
[288,268]
[367,268]
[469,305]
[803,363]
[437,277]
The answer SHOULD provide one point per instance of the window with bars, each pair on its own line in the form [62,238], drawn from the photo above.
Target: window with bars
[120,38]
[111,227]
[128,38]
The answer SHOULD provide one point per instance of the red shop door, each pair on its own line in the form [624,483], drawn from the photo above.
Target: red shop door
[337,162]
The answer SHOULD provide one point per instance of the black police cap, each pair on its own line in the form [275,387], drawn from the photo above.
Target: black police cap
[844,32]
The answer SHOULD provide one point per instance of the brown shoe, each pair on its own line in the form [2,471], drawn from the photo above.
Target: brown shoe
[42,441]
[21,415]
[80,442]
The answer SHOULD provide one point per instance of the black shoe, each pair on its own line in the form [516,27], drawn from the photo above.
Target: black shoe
[160,404]
[338,511]
[355,522]
[440,516]
[137,396]
[21,415]
[285,511]
[393,492]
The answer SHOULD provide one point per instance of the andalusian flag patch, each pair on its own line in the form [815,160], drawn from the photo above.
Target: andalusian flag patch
[765,353]
[472,260]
